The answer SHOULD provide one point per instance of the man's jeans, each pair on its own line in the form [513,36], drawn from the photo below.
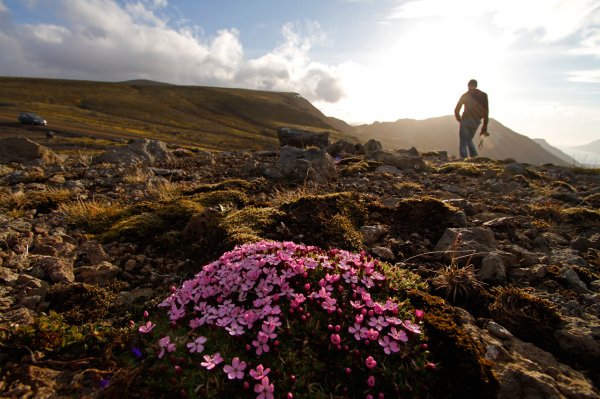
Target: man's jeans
[468,128]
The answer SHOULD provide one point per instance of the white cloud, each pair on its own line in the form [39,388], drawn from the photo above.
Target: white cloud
[592,76]
[103,40]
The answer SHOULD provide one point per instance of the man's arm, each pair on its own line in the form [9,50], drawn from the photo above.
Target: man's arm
[486,113]
[458,107]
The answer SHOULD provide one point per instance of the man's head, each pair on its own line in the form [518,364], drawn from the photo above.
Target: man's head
[472,84]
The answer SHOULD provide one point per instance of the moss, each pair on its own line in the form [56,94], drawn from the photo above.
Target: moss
[156,220]
[529,317]
[461,168]
[424,215]
[402,280]
[585,275]
[235,184]
[221,197]
[580,215]
[42,201]
[95,215]
[325,220]
[80,303]
[463,370]
[355,168]
[249,224]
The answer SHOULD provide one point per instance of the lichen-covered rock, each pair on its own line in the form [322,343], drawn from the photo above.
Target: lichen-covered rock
[56,269]
[307,165]
[137,151]
[25,151]
[302,138]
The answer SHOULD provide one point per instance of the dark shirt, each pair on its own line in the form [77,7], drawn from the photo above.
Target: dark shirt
[476,106]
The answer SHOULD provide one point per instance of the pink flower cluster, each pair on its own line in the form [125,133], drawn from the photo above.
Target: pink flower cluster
[244,290]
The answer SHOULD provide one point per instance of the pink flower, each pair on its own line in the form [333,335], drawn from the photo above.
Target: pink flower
[211,361]
[370,362]
[419,314]
[236,369]
[165,345]
[264,389]
[260,372]
[146,328]
[372,334]
[335,339]
[411,327]
[261,343]
[378,322]
[388,345]
[371,381]
[398,335]
[197,346]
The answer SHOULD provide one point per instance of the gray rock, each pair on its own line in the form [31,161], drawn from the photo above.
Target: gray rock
[567,256]
[383,253]
[572,279]
[389,169]
[374,233]
[23,316]
[302,138]
[498,331]
[100,274]
[344,148]
[372,147]
[307,165]
[8,276]
[532,273]
[402,159]
[579,340]
[94,252]
[492,269]
[57,270]
[464,242]
[138,151]
[595,286]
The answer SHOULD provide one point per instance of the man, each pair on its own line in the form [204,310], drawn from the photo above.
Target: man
[476,108]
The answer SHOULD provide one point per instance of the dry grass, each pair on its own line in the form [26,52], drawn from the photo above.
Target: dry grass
[86,213]
[164,190]
[285,196]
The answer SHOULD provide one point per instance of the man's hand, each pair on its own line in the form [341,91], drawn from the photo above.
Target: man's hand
[484,132]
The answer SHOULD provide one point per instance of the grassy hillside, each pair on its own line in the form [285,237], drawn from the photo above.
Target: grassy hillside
[205,117]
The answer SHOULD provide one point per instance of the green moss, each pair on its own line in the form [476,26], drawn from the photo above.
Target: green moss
[463,370]
[325,220]
[235,184]
[156,220]
[529,317]
[461,168]
[581,215]
[402,280]
[42,201]
[340,232]
[355,168]
[80,303]
[249,224]
[224,198]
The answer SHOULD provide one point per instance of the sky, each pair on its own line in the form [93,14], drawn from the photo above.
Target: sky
[358,60]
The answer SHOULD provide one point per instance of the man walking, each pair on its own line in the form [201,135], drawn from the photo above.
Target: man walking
[476,108]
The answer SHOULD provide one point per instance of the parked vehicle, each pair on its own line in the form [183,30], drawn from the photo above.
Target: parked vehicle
[32,119]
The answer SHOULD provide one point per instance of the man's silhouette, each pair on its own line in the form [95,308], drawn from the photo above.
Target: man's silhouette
[476,108]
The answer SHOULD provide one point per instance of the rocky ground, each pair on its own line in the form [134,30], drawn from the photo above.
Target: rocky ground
[511,253]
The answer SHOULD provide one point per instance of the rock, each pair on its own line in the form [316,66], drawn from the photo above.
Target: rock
[569,275]
[578,340]
[23,316]
[498,331]
[372,147]
[43,380]
[595,286]
[343,148]
[307,165]
[138,151]
[302,138]
[389,169]
[532,273]
[582,243]
[492,269]
[374,233]
[25,151]
[130,265]
[462,242]
[402,159]
[8,276]
[94,252]
[57,270]
[383,253]
[100,274]
[567,256]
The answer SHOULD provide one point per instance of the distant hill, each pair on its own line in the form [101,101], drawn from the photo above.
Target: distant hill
[206,117]
[441,133]
[594,146]
[555,151]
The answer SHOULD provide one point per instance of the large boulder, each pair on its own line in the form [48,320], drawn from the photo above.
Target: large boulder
[136,152]
[302,138]
[305,165]
[343,148]
[25,151]
[469,243]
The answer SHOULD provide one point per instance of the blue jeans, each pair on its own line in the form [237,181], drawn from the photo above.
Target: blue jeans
[468,128]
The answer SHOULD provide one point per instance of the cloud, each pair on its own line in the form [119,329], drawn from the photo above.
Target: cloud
[103,40]
[592,76]
[548,20]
